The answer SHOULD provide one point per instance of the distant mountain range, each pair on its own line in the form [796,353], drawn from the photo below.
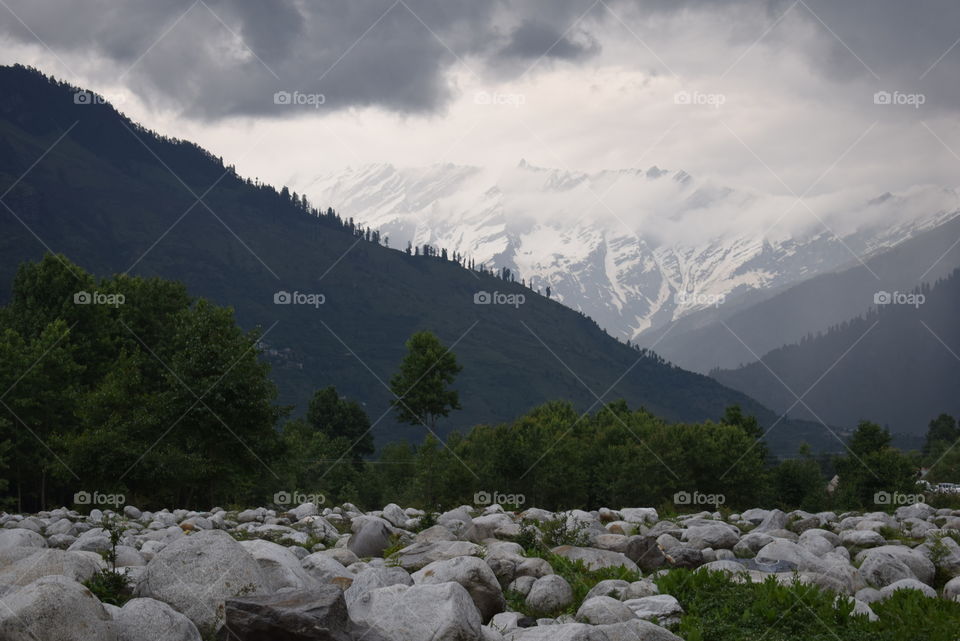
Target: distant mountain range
[753,324]
[899,363]
[81,179]
[633,249]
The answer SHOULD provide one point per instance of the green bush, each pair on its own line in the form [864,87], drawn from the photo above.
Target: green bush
[718,609]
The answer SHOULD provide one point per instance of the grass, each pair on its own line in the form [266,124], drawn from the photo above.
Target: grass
[578,575]
[717,609]
[110,587]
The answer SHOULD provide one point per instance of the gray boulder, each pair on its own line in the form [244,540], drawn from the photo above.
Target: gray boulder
[600,610]
[50,562]
[439,612]
[19,537]
[373,578]
[907,584]
[281,568]
[54,608]
[595,559]
[474,575]
[662,608]
[149,620]
[549,594]
[195,574]
[636,630]
[319,614]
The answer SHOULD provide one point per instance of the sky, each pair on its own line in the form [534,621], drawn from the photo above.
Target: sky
[802,98]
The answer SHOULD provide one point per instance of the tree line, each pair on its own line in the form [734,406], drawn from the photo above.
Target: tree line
[128,385]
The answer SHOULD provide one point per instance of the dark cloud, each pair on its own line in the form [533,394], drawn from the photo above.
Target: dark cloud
[533,39]
[216,58]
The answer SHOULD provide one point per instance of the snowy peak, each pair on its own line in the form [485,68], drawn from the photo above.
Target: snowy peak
[632,248]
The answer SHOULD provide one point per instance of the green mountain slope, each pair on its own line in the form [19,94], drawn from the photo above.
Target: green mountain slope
[897,364]
[83,180]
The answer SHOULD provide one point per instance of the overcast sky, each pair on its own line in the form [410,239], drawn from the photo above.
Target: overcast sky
[770,95]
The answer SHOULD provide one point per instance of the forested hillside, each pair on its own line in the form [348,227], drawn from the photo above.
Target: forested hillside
[82,180]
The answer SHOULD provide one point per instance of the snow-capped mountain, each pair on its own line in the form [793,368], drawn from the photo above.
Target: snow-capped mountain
[634,249]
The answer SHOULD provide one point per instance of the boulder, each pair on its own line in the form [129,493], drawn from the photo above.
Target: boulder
[196,573]
[600,610]
[615,588]
[711,536]
[54,608]
[661,608]
[887,564]
[952,589]
[636,630]
[907,584]
[548,594]
[419,555]
[318,614]
[149,620]
[281,568]
[19,537]
[50,562]
[439,612]
[373,578]
[474,575]
[595,559]
[324,569]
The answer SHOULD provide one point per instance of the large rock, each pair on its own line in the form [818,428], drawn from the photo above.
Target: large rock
[47,562]
[473,574]
[661,608]
[197,573]
[370,538]
[549,594]
[281,567]
[419,555]
[54,608]
[595,559]
[324,569]
[888,564]
[149,620]
[600,610]
[714,536]
[440,612]
[319,614]
[373,578]
[20,537]
[636,630]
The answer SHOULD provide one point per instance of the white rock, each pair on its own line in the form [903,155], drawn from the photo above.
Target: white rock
[54,608]
[440,612]
[149,620]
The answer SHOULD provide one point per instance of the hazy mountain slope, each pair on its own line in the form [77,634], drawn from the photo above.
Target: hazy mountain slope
[901,365]
[634,249]
[768,320]
[109,195]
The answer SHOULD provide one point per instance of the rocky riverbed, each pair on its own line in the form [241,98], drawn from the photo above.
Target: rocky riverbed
[396,574]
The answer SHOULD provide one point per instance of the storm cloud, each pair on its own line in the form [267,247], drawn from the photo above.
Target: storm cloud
[209,59]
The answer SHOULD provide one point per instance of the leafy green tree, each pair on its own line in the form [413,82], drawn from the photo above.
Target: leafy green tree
[339,417]
[873,467]
[421,386]
[942,433]
[799,483]
[219,405]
